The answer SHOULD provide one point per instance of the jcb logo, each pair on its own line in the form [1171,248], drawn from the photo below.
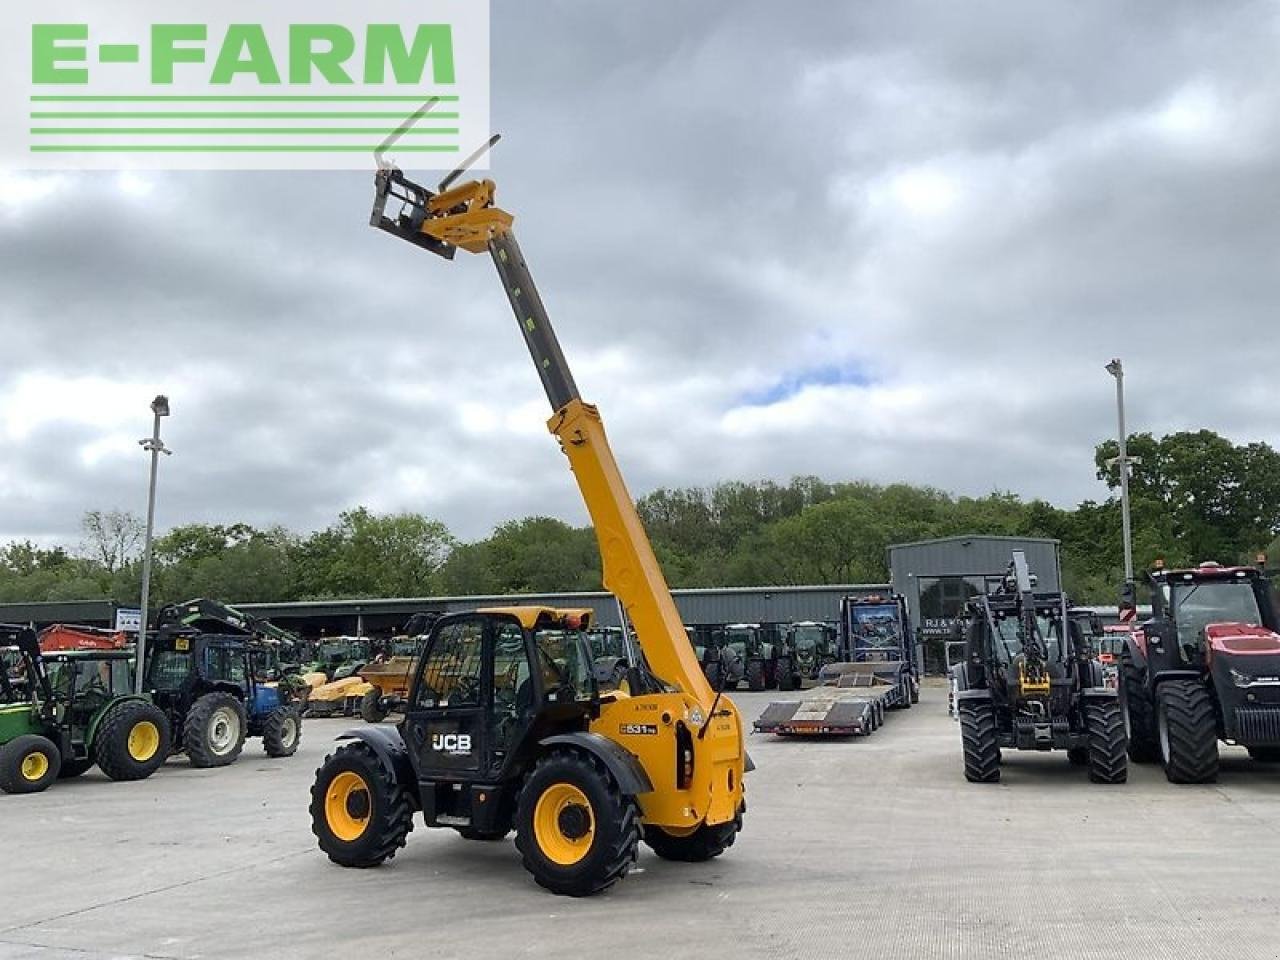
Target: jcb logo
[451,742]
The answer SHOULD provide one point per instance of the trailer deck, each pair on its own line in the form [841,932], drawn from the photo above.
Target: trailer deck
[851,701]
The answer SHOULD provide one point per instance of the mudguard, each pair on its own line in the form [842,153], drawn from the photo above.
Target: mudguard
[626,769]
[1138,653]
[91,731]
[964,690]
[391,751]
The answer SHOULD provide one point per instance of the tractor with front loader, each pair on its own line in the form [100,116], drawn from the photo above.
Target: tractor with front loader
[1029,681]
[1205,668]
[63,712]
[506,728]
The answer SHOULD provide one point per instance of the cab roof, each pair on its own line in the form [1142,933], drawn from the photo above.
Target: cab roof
[533,617]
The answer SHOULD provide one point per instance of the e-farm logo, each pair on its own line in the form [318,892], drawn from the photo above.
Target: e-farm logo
[257,84]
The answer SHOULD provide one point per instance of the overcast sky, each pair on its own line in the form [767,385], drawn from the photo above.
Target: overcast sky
[884,241]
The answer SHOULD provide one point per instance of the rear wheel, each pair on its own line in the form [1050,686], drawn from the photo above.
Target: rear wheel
[28,764]
[906,694]
[281,732]
[981,741]
[1108,748]
[213,734]
[1139,711]
[756,679]
[704,843]
[371,706]
[1188,731]
[576,831]
[359,813]
[1265,754]
[132,741]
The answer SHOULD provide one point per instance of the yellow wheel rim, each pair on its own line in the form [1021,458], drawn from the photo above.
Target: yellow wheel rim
[563,824]
[347,806]
[144,741]
[34,766]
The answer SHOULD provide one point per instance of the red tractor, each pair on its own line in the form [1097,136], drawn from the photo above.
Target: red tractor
[1204,668]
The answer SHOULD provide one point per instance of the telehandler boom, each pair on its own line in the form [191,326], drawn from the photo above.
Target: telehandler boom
[505,727]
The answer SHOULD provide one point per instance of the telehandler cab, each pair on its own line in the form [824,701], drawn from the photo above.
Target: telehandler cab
[506,728]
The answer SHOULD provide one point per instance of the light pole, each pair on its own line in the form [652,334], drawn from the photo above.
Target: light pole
[154,446]
[1116,369]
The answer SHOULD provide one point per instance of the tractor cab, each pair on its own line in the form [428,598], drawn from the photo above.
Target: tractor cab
[83,682]
[1195,605]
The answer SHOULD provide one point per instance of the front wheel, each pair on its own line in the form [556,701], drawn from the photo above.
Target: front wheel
[282,731]
[359,813]
[576,831]
[704,843]
[213,733]
[28,764]
[1139,711]
[1188,731]
[981,741]
[786,676]
[1108,746]
[756,679]
[715,675]
[132,741]
[372,709]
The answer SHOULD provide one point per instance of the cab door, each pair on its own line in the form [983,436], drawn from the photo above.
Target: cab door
[446,722]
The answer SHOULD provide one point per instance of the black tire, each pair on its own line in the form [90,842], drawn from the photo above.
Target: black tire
[786,678]
[1108,752]
[1188,731]
[133,740]
[715,675]
[71,769]
[371,707]
[756,679]
[28,764]
[981,742]
[213,733]
[611,820]
[705,843]
[1078,756]
[915,693]
[282,732]
[378,812]
[1139,711]
[484,836]
[906,701]
[1265,754]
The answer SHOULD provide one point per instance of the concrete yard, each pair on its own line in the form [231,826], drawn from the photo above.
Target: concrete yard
[866,848]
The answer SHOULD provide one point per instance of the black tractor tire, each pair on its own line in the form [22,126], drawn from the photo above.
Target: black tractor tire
[906,701]
[282,732]
[133,740]
[552,823]
[372,709]
[1108,745]
[981,741]
[715,674]
[484,836]
[71,769]
[705,843]
[756,679]
[214,731]
[915,693]
[1265,754]
[28,764]
[360,813]
[786,677]
[1139,711]
[1188,730]
[1078,756]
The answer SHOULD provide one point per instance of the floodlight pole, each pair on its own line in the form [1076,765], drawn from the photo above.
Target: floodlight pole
[154,446]
[1116,369]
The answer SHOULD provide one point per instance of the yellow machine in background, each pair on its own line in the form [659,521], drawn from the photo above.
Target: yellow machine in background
[505,727]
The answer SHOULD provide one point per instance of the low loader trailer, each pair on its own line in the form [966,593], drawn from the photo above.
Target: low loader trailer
[851,700]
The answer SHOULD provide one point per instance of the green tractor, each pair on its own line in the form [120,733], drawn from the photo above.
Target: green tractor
[807,647]
[63,712]
[756,645]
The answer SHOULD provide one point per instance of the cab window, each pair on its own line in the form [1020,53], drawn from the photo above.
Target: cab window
[566,673]
[451,671]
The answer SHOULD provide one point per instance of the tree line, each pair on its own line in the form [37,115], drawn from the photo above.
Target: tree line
[1195,496]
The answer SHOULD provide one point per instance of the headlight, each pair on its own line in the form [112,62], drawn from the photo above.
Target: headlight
[1240,680]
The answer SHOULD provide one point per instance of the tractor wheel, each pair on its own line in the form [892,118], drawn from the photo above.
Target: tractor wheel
[1188,732]
[915,693]
[1108,748]
[359,812]
[715,675]
[905,703]
[1265,754]
[786,678]
[575,830]
[214,731]
[485,836]
[281,732]
[71,769]
[981,743]
[704,843]
[1078,756]
[1139,712]
[132,741]
[756,679]
[28,764]
[371,708]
